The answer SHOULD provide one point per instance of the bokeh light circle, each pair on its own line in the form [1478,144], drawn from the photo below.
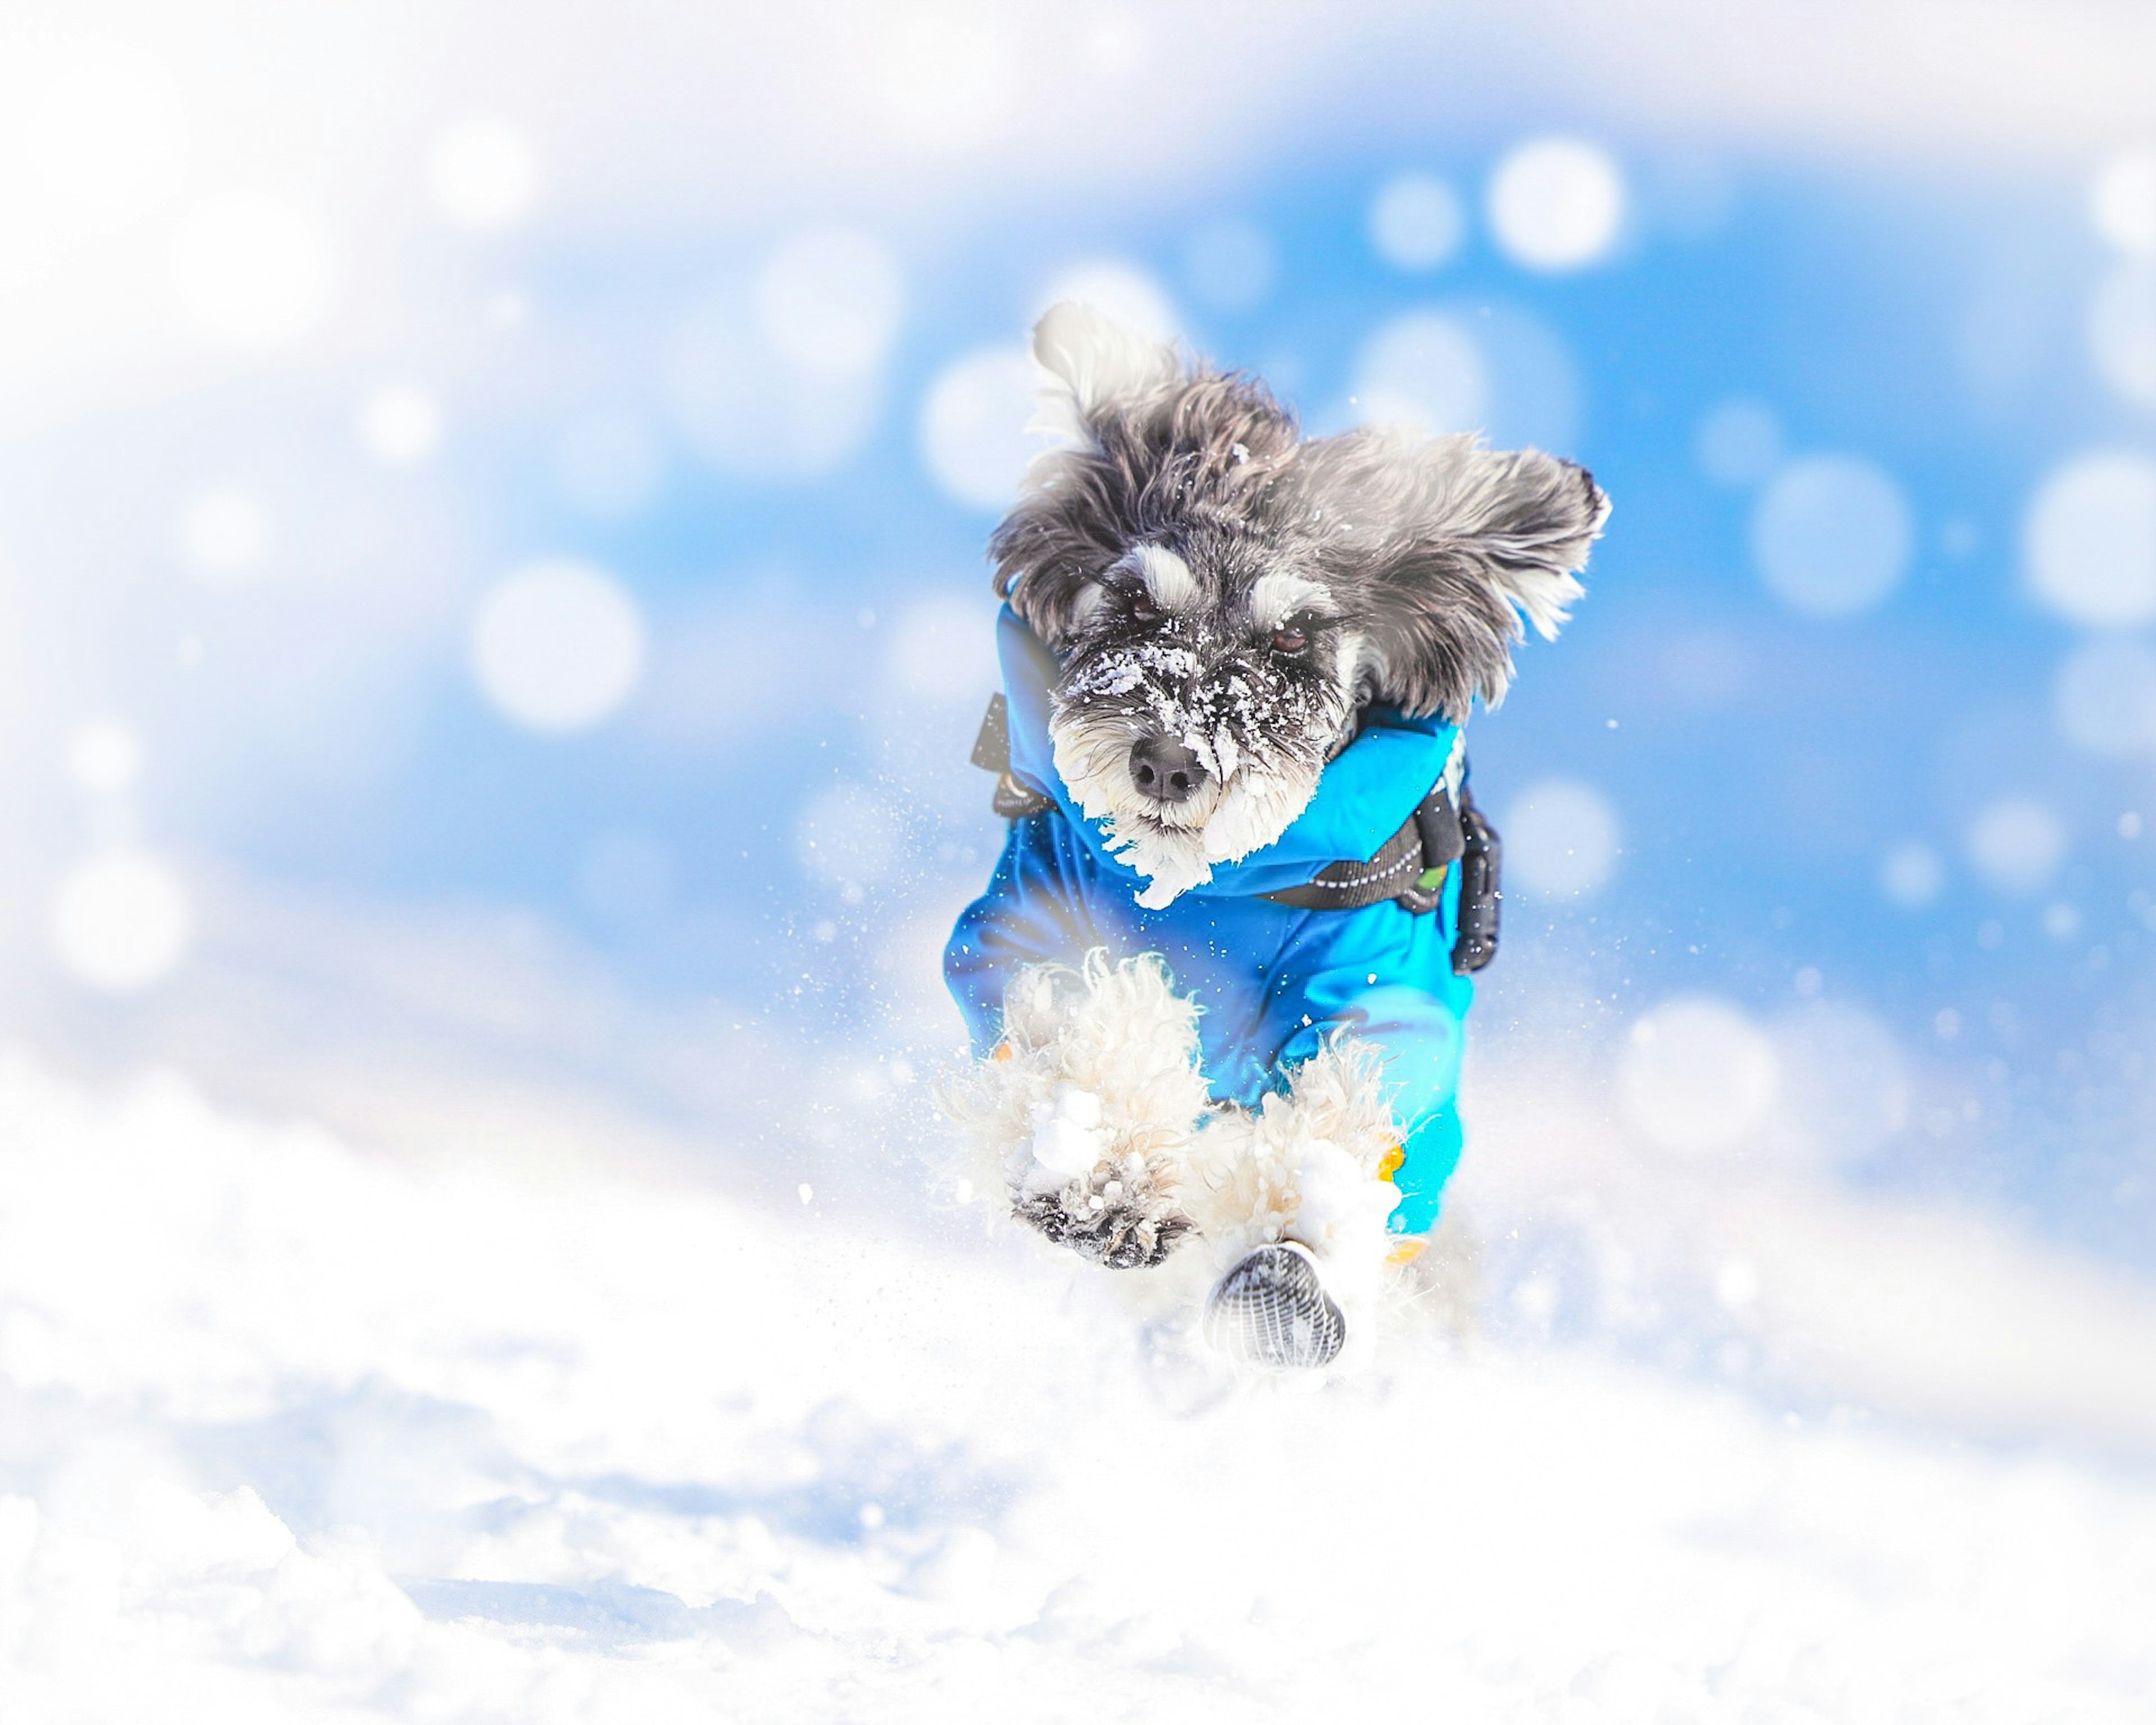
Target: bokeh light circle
[973,420]
[484,173]
[223,535]
[558,646]
[1417,222]
[120,922]
[1424,370]
[104,757]
[1128,294]
[2121,332]
[2123,202]
[399,425]
[829,300]
[2016,844]
[1697,1076]
[2105,697]
[2089,540]
[1561,840]
[1557,204]
[252,270]
[1832,535]
[752,411]
[1911,875]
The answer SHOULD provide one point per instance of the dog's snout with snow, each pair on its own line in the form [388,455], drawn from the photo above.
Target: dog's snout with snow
[1165,770]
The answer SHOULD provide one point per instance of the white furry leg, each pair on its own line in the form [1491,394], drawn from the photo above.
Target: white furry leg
[1084,1117]
[1305,1170]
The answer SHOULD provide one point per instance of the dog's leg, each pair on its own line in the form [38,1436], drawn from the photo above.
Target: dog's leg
[1293,1198]
[1084,1116]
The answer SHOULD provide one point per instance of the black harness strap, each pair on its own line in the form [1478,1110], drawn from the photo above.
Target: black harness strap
[992,751]
[1410,867]
[1427,840]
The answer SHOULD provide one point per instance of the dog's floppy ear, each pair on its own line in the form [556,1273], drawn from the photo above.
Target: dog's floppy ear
[1096,370]
[1451,546]
[1101,384]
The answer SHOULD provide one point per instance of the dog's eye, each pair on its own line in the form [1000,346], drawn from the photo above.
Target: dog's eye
[1292,636]
[1142,608]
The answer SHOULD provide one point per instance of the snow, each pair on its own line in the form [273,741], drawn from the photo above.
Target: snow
[299,1431]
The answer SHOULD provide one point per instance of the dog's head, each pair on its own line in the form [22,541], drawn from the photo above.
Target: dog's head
[1225,597]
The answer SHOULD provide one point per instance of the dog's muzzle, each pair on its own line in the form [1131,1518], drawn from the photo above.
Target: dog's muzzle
[1164,770]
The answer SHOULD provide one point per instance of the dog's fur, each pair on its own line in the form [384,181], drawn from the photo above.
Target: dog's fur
[1205,575]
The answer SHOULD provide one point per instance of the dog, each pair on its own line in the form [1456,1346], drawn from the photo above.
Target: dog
[1216,985]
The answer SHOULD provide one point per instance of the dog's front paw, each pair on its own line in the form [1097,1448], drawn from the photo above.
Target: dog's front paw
[1078,1192]
[1084,1116]
[1309,1168]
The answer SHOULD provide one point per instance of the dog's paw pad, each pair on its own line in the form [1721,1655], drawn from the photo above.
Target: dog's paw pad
[1115,1225]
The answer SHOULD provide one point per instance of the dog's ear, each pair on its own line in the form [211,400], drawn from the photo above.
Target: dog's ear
[1450,548]
[1097,372]
[1076,511]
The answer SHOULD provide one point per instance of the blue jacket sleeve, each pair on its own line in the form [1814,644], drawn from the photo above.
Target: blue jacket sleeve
[1385,976]
[1031,913]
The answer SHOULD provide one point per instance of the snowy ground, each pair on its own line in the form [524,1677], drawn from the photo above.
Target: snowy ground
[290,1429]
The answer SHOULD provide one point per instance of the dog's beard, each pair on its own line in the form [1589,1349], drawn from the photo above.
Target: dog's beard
[1255,785]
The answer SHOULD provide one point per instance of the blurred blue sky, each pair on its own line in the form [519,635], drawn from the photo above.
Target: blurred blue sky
[318,330]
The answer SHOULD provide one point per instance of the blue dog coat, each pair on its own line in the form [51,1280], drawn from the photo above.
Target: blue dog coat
[1274,981]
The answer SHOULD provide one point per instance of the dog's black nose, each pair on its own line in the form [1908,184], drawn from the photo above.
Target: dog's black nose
[1165,771]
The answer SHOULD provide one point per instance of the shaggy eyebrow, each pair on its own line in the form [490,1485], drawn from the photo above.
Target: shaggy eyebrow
[1277,597]
[1166,576]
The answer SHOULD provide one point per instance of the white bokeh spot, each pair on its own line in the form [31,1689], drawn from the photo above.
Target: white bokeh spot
[1417,222]
[253,270]
[558,646]
[973,420]
[829,300]
[2123,202]
[1911,875]
[120,922]
[1557,204]
[484,173]
[2089,540]
[1424,370]
[224,536]
[753,411]
[1132,296]
[1561,840]
[2105,697]
[1832,535]
[399,425]
[1697,1076]
[2122,331]
[104,757]
[2016,844]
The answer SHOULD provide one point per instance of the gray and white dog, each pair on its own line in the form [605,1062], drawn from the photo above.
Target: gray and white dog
[1237,662]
